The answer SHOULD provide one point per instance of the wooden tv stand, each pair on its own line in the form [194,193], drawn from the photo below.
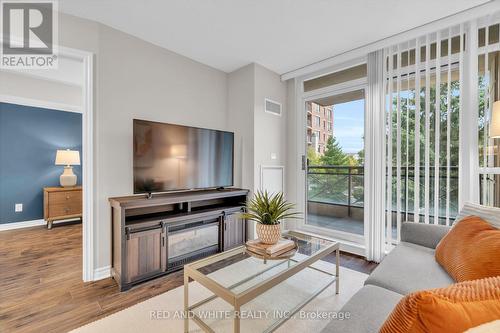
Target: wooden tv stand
[153,237]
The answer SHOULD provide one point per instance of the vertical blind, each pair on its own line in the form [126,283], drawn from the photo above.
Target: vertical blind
[488,52]
[423,84]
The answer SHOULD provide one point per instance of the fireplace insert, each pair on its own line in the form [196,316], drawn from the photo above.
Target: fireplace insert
[189,241]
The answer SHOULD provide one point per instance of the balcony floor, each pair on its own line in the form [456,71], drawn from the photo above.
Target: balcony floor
[345,224]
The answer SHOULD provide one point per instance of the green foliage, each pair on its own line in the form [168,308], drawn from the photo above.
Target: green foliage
[361,157]
[313,156]
[268,208]
[333,154]
[352,161]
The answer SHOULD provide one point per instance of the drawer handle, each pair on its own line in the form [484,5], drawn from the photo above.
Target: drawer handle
[67,197]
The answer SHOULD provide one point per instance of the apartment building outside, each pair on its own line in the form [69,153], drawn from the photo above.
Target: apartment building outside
[319,125]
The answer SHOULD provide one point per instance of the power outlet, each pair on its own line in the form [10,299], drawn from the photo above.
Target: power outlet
[18,208]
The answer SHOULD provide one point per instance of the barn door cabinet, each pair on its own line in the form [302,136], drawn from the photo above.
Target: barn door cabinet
[146,250]
[189,225]
[234,230]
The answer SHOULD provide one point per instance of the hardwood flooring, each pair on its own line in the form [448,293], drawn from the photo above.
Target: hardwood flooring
[41,288]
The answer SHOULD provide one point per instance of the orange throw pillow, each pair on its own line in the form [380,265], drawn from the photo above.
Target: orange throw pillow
[471,250]
[455,308]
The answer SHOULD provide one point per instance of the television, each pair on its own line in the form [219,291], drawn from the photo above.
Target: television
[169,157]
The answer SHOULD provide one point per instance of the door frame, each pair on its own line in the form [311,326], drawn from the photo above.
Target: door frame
[87,110]
[303,98]
[88,154]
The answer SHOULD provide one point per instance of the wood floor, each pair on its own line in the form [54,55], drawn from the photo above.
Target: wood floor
[41,288]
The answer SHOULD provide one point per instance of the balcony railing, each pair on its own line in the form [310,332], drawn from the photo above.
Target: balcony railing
[344,186]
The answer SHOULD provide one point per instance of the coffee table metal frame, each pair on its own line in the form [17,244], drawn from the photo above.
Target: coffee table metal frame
[237,300]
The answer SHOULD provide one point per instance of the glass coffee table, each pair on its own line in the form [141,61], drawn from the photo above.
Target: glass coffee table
[246,294]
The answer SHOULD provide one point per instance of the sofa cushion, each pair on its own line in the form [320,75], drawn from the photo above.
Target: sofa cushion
[489,214]
[367,309]
[471,250]
[428,235]
[452,309]
[408,268]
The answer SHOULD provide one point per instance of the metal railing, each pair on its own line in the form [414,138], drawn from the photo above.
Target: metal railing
[344,185]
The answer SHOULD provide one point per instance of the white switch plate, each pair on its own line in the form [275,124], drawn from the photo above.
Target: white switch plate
[19,208]
[273,156]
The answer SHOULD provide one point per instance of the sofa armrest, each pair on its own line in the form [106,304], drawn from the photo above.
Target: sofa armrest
[427,235]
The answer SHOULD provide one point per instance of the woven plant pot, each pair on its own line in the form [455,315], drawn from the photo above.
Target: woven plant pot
[268,233]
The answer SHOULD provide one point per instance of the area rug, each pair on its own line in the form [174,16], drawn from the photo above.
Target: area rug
[163,313]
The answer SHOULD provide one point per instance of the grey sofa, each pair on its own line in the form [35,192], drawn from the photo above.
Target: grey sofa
[408,267]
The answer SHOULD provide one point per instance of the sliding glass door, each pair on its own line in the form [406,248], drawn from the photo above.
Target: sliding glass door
[335,162]
[432,139]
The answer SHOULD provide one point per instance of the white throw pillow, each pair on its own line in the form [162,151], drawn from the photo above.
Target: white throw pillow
[491,327]
[489,214]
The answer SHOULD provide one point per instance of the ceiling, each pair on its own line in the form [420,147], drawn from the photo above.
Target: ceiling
[281,35]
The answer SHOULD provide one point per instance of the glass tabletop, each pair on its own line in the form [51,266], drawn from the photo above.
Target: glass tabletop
[238,271]
[271,291]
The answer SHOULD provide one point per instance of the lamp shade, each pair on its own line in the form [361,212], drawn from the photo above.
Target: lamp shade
[495,121]
[178,151]
[68,157]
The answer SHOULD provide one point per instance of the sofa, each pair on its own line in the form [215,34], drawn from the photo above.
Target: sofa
[409,267]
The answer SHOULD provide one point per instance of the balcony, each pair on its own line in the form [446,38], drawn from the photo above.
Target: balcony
[336,196]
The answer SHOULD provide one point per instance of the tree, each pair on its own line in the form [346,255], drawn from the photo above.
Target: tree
[361,157]
[333,154]
[312,156]
[352,161]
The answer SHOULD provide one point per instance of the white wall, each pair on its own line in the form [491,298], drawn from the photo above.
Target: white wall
[258,134]
[270,129]
[135,79]
[293,161]
[15,87]
[240,117]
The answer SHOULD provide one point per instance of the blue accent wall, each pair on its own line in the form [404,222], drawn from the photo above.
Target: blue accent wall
[29,138]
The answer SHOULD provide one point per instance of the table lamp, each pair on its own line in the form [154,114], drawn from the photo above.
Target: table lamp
[68,158]
[495,121]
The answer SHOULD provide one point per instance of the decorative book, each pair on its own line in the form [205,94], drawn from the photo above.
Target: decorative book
[282,246]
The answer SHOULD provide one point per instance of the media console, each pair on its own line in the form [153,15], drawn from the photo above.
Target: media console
[156,236]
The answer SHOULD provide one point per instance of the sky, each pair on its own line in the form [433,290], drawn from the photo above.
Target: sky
[348,125]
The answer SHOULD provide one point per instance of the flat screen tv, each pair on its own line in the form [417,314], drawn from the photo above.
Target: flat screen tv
[170,157]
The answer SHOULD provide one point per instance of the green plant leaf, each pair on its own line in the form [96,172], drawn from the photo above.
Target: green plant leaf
[268,208]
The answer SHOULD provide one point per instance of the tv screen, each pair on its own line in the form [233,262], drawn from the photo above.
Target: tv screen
[170,157]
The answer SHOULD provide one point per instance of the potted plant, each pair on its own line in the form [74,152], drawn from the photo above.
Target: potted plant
[268,210]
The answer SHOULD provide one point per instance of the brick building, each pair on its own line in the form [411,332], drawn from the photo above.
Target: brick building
[319,125]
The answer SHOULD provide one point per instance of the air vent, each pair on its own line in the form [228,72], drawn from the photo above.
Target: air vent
[273,107]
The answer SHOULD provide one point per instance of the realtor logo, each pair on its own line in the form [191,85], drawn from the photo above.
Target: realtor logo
[29,31]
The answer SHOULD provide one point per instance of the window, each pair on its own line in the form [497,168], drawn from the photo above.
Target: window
[329,126]
[317,121]
[346,75]
[423,137]
[324,124]
[488,92]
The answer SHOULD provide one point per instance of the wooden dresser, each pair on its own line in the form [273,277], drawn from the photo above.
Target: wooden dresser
[61,203]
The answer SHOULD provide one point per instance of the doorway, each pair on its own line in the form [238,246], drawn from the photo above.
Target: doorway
[335,163]
[36,96]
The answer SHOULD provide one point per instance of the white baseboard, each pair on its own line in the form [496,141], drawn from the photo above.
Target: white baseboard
[23,224]
[102,273]
[352,248]
[33,223]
